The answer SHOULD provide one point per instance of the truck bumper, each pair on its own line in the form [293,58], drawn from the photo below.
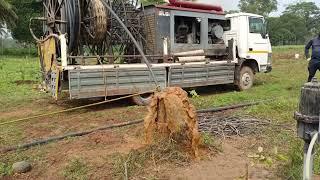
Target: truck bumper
[266,68]
[269,68]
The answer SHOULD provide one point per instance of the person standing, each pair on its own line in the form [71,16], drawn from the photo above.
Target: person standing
[314,63]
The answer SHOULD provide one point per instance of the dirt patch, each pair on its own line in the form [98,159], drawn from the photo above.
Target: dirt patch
[231,163]
[95,149]
[98,149]
[23,112]
[171,113]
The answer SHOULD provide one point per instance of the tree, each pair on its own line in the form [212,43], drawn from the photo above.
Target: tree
[262,7]
[25,10]
[152,2]
[231,11]
[287,29]
[308,11]
[7,15]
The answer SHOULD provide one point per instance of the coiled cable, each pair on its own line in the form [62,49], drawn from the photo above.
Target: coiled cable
[73,19]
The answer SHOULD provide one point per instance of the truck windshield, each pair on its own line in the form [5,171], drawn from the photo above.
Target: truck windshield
[257,25]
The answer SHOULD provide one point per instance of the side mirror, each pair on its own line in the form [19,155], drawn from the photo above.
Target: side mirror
[264,31]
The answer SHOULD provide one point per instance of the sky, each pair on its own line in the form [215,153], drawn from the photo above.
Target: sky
[233,4]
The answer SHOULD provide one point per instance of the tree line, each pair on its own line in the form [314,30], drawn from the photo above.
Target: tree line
[296,25]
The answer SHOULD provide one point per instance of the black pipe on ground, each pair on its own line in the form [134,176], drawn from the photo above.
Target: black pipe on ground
[82,133]
[74,134]
[228,107]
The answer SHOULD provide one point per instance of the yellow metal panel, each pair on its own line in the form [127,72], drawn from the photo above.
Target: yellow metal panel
[48,53]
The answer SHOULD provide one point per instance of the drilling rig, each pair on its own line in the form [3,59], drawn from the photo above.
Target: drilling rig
[103,48]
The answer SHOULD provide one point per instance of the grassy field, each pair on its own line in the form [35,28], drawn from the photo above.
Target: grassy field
[281,86]
[17,75]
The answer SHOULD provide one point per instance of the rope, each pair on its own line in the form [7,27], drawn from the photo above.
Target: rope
[73,109]
[128,123]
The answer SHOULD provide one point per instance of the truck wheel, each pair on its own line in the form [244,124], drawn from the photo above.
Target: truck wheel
[246,78]
[142,100]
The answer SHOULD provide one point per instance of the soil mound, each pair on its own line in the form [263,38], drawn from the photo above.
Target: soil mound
[170,114]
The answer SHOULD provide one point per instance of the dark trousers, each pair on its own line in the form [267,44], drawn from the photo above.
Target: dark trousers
[314,65]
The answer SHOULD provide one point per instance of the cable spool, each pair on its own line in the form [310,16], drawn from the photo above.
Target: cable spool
[95,21]
[73,19]
[90,27]
[62,17]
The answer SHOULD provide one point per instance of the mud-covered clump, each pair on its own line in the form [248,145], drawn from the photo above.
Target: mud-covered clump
[171,114]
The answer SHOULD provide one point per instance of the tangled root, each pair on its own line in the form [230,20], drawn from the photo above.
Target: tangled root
[170,113]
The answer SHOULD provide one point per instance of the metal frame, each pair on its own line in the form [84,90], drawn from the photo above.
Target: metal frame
[176,47]
[111,80]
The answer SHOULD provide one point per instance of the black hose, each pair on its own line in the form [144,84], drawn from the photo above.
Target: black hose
[72,8]
[218,109]
[82,133]
[74,134]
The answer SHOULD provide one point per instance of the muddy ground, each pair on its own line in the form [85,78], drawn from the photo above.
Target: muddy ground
[99,150]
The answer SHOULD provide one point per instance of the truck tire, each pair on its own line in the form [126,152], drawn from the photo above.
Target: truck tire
[142,100]
[246,78]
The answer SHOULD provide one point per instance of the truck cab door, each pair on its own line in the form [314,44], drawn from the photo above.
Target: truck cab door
[258,41]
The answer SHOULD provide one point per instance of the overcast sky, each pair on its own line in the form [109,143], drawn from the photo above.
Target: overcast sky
[233,4]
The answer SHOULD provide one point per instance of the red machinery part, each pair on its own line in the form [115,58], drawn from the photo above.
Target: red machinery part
[192,5]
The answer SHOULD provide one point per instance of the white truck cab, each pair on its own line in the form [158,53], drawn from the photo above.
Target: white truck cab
[251,39]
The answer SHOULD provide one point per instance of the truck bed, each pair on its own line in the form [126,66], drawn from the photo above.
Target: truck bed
[110,80]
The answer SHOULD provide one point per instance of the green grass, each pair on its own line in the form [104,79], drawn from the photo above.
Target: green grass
[17,77]
[19,52]
[288,48]
[139,162]
[77,169]
[282,85]
[7,160]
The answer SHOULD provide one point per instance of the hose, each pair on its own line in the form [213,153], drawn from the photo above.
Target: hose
[75,134]
[230,107]
[73,17]
[309,156]
[144,58]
